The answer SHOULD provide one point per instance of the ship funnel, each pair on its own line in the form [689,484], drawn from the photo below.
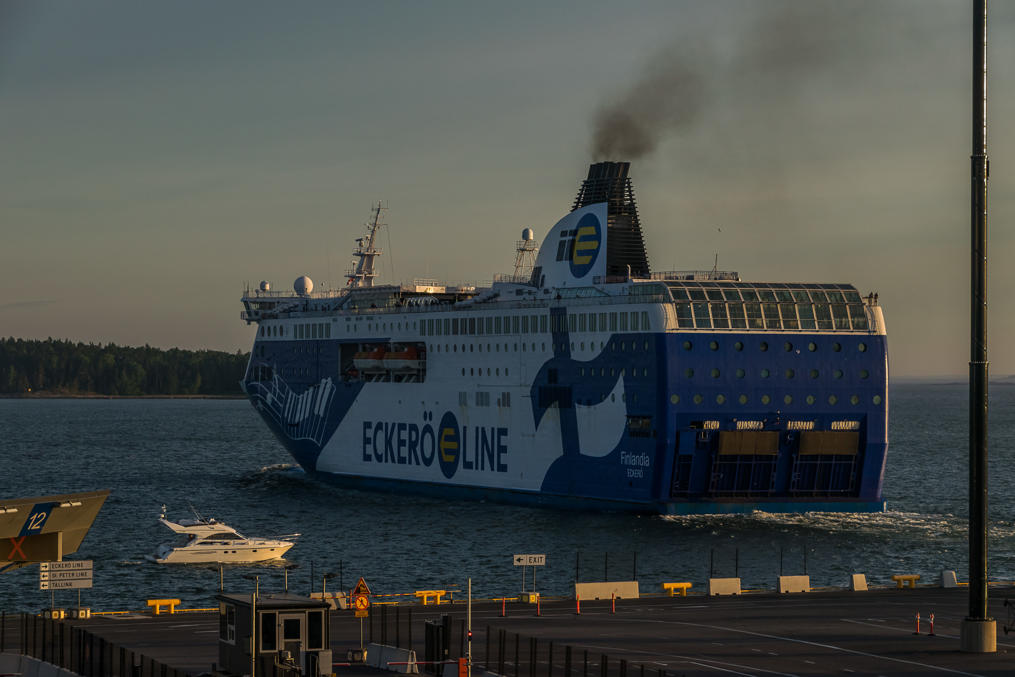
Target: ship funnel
[625,247]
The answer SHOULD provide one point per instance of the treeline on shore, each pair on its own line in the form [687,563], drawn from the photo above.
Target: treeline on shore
[55,367]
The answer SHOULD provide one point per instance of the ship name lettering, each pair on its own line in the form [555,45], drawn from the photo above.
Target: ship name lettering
[401,443]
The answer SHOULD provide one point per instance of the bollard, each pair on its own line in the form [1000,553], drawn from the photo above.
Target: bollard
[503,607]
[577,605]
[931,633]
[613,603]
[538,612]
[917,623]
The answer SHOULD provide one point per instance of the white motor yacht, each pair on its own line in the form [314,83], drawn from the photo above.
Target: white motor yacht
[210,541]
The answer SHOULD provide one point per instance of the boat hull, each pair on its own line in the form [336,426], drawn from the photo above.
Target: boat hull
[215,555]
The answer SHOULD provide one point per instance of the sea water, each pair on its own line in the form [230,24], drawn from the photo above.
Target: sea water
[217,456]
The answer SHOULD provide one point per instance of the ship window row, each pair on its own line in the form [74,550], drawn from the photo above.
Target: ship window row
[490,371]
[613,371]
[622,346]
[765,293]
[536,324]
[303,330]
[778,316]
[767,399]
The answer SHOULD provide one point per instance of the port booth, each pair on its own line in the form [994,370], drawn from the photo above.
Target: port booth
[290,634]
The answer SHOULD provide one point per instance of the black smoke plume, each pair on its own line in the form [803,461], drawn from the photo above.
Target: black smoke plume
[784,47]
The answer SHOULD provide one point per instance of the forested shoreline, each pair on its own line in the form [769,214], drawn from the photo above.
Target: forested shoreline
[60,368]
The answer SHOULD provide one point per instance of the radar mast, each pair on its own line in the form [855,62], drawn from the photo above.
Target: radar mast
[362,275]
[525,255]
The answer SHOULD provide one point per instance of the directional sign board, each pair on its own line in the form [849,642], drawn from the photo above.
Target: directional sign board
[530,560]
[71,565]
[65,575]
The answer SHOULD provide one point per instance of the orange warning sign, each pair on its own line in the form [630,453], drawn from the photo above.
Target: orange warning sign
[361,588]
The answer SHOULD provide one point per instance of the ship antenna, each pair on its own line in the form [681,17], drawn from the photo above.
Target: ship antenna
[525,256]
[365,253]
[715,265]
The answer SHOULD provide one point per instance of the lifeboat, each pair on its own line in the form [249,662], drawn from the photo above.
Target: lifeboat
[370,359]
[402,359]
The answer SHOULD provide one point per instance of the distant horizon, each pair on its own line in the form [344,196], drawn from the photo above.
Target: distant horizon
[940,379]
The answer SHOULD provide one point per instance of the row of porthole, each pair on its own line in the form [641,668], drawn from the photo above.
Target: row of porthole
[613,371]
[787,346]
[789,373]
[473,371]
[767,399]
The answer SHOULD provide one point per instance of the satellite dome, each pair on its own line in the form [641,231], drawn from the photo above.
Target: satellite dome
[265,286]
[528,235]
[303,285]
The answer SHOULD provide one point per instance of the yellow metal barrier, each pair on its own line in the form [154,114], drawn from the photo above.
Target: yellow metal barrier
[157,605]
[674,588]
[428,594]
[902,580]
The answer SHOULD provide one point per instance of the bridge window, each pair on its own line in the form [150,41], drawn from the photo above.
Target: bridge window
[701,316]
[754,320]
[737,317]
[684,319]
[719,317]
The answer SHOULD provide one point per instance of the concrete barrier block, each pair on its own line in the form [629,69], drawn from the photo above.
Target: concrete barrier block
[607,590]
[10,664]
[948,579]
[723,586]
[794,583]
[381,656]
[336,600]
[858,583]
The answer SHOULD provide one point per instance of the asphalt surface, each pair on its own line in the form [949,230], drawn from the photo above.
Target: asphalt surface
[817,633]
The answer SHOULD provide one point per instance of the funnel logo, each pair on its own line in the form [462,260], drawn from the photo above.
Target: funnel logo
[449,443]
[585,246]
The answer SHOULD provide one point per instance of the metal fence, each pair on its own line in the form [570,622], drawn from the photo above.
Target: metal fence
[513,655]
[73,648]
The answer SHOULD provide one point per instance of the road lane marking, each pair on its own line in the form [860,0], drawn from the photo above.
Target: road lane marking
[818,644]
[697,658]
[716,667]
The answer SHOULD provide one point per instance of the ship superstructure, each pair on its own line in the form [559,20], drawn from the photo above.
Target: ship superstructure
[589,381]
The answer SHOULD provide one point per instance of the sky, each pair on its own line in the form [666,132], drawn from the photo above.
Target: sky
[157,157]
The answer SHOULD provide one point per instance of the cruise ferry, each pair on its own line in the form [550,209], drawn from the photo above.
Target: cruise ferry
[582,379]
